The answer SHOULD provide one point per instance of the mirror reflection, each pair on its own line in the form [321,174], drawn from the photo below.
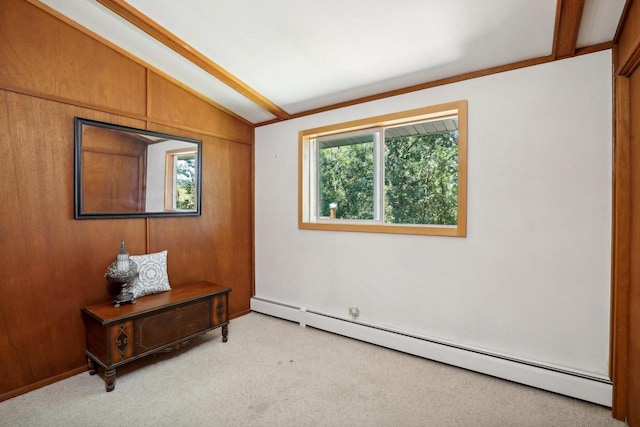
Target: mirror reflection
[124,172]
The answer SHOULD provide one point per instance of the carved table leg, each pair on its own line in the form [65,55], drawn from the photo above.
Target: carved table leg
[225,332]
[93,366]
[110,379]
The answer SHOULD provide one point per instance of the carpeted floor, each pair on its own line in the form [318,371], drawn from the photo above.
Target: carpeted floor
[274,373]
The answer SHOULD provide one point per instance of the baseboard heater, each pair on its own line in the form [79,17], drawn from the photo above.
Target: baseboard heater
[578,384]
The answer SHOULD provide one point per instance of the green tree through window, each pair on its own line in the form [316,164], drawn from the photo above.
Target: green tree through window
[421,179]
[186,182]
[346,178]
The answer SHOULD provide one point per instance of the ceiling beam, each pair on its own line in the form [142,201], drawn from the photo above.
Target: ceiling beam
[167,38]
[568,16]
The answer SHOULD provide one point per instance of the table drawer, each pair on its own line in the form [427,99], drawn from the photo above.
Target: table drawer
[156,330]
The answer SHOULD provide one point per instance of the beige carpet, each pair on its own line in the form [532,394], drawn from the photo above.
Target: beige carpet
[274,373]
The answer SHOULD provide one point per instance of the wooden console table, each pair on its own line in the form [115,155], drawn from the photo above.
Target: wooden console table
[118,335]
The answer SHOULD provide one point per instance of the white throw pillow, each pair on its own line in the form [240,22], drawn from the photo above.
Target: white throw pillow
[153,276]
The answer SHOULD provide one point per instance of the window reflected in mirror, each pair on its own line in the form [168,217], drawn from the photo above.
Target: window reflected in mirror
[180,179]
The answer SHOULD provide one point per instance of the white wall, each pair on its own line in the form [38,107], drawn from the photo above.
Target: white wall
[530,280]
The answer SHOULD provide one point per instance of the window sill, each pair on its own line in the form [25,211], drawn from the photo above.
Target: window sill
[430,230]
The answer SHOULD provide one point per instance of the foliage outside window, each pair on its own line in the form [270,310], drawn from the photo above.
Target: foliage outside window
[398,173]
[181,180]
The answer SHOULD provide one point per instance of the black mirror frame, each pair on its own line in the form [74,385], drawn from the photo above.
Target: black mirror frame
[78,214]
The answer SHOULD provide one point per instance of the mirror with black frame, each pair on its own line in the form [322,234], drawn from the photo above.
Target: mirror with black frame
[123,172]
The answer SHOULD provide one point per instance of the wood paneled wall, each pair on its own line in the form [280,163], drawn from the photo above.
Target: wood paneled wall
[53,265]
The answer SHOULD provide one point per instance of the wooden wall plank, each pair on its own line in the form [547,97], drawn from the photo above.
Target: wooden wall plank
[217,246]
[52,58]
[171,104]
[52,264]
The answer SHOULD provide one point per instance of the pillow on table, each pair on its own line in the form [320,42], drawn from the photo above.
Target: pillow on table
[153,276]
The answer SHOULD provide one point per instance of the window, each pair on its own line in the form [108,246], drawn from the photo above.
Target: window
[180,176]
[398,173]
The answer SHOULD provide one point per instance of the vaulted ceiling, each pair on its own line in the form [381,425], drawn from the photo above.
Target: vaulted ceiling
[271,60]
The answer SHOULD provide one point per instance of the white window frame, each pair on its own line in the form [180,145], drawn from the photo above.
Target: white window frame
[308,153]
[378,176]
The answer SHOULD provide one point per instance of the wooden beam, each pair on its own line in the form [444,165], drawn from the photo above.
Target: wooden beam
[568,16]
[165,37]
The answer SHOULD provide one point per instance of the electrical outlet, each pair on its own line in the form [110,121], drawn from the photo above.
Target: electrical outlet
[354,311]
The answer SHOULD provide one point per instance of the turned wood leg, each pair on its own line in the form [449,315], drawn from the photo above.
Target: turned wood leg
[225,332]
[93,366]
[110,379]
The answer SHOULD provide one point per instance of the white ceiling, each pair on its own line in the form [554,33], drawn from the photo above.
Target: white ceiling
[307,54]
